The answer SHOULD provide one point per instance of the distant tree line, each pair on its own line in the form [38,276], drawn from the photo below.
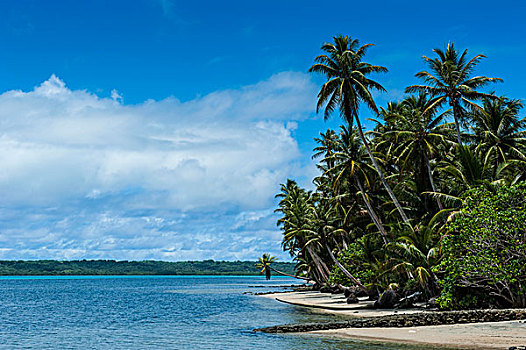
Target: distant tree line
[150,267]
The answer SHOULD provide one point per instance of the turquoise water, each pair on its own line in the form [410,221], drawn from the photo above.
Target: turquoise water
[152,312]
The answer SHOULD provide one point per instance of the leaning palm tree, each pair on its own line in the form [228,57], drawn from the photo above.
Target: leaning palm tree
[347,86]
[450,80]
[324,224]
[295,207]
[264,264]
[349,165]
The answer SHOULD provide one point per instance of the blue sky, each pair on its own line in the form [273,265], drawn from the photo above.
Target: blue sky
[160,129]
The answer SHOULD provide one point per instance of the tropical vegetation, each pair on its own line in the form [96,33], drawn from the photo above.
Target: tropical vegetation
[430,199]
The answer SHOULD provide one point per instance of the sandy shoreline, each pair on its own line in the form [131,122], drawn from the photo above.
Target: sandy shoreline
[489,335]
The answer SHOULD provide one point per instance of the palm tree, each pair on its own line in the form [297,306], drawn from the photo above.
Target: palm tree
[264,265]
[499,131]
[451,81]
[349,164]
[323,225]
[416,254]
[295,206]
[327,143]
[418,133]
[347,86]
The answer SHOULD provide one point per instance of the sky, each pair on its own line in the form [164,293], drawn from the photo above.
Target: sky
[162,129]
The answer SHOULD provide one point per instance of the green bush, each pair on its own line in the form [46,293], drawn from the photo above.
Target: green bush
[355,261]
[484,253]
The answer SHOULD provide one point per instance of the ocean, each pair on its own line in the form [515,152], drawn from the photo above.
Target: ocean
[154,312]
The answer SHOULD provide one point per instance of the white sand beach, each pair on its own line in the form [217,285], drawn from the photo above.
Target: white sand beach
[488,335]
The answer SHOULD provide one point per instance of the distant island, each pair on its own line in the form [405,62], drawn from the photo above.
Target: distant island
[149,267]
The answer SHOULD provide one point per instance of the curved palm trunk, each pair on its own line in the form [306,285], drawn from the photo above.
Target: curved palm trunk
[316,276]
[347,273]
[430,174]
[286,274]
[370,210]
[337,245]
[380,173]
[322,269]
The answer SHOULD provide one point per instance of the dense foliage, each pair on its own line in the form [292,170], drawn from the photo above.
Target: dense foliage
[485,250]
[112,267]
[378,215]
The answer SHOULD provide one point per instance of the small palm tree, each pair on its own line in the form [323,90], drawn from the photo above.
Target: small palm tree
[264,264]
[415,254]
[451,81]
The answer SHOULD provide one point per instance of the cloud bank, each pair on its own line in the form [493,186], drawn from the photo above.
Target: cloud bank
[91,177]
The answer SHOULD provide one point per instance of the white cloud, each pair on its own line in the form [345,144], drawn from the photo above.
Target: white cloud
[116,96]
[127,181]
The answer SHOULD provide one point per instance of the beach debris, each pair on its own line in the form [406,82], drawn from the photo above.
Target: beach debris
[408,301]
[387,300]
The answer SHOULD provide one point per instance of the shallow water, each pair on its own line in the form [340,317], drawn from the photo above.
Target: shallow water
[153,312]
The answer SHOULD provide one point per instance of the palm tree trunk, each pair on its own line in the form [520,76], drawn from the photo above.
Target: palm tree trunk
[380,173]
[337,245]
[316,276]
[430,174]
[370,210]
[323,270]
[321,262]
[286,274]
[344,242]
[347,273]
[457,126]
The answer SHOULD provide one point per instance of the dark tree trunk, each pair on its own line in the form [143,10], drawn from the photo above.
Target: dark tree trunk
[380,173]
[376,220]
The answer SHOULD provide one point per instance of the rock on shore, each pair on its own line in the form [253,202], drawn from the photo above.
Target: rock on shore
[427,318]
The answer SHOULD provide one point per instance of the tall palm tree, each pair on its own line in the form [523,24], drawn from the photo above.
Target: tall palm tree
[347,86]
[451,81]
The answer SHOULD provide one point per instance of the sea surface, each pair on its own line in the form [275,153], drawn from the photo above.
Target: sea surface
[153,312]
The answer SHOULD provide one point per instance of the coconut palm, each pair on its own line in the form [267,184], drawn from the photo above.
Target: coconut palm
[415,254]
[265,265]
[499,131]
[349,164]
[323,225]
[295,206]
[418,131]
[451,81]
[347,86]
